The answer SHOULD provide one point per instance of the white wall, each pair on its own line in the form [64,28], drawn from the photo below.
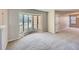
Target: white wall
[45,22]
[62,22]
[4,28]
[0,16]
[5,23]
[13,25]
[14,21]
[57,26]
[0,39]
[0,29]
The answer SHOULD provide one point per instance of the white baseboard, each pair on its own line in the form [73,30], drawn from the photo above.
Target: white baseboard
[11,40]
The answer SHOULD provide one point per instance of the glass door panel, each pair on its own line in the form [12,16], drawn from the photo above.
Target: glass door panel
[30,23]
[26,23]
[39,23]
[35,23]
[20,23]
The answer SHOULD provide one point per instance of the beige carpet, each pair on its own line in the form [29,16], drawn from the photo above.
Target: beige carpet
[65,40]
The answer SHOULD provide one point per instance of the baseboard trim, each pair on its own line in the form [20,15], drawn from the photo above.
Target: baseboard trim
[11,40]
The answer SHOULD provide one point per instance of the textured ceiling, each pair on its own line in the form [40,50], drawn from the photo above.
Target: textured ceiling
[46,10]
[59,10]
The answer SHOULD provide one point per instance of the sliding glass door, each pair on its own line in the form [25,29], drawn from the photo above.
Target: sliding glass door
[37,22]
[28,23]
[25,23]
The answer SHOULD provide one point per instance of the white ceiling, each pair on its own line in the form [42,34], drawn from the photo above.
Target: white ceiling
[47,10]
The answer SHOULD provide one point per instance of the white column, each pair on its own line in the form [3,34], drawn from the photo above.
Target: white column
[51,21]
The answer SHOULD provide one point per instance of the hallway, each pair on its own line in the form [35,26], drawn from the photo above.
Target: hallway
[65,40]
